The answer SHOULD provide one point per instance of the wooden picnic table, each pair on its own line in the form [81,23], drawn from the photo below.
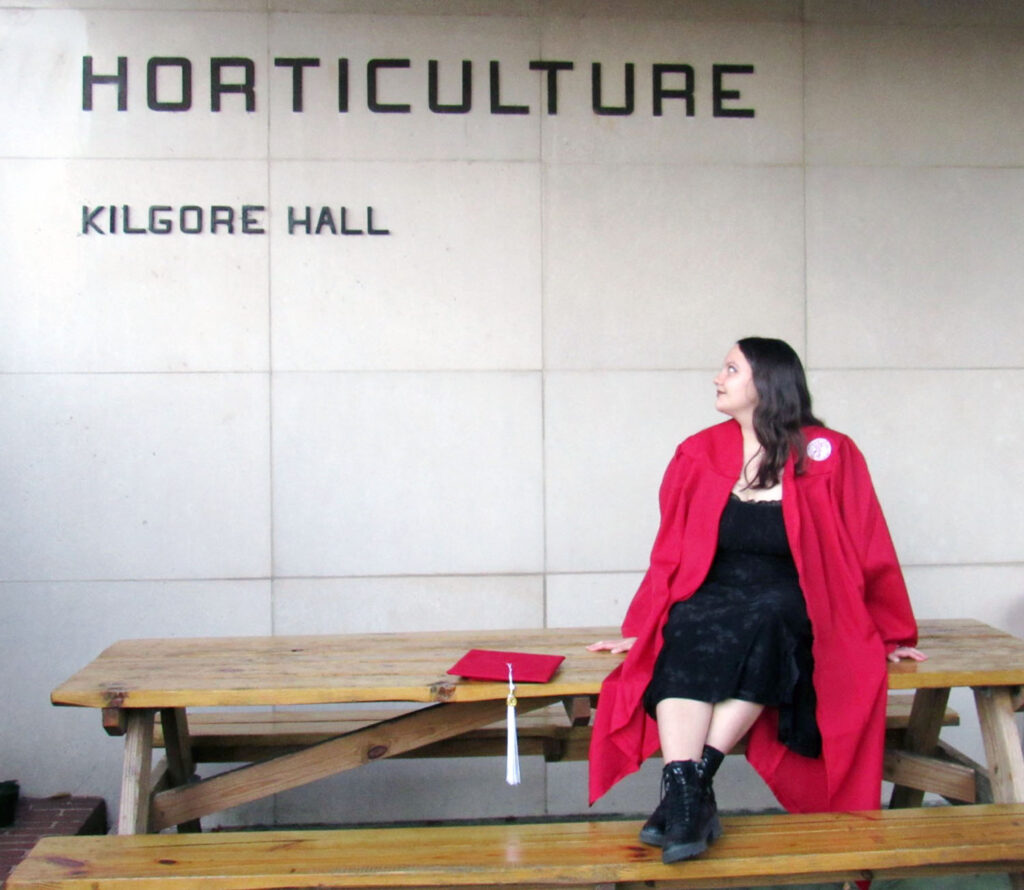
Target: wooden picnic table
[134,680]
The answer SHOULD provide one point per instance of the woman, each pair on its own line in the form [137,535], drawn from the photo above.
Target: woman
[772,602]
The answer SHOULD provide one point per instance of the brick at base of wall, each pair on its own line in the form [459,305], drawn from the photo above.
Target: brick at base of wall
[41,817]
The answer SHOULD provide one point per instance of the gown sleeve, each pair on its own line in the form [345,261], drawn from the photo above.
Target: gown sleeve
[885,592]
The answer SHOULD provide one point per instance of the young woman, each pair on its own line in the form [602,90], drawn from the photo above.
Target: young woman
[772,602]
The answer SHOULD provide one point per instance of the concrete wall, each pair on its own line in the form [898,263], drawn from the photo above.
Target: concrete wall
[463,423]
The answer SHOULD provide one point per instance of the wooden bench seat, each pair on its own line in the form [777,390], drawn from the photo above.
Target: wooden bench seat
[245,736]
[764,849]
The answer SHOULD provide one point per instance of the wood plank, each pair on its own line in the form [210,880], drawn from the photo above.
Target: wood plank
[133,812]
[921,737]
[959,650]
[245,736]
[579,709]
[996,707]
[174,730]
[953,781]
[773,849]
[983,787]
[899,706]
[180,763]
[381,740]
[1002,742]
[289,670]
[303,725]
[113,720]
[161,777]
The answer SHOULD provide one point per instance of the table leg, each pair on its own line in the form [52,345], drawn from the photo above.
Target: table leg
[180,766]
[1002,742]
[133,813]
[921,737]
[996,705]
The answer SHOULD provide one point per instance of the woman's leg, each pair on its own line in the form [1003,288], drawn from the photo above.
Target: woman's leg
[683,726]
[694,735]
[730,721]
[686,820]
[686,725]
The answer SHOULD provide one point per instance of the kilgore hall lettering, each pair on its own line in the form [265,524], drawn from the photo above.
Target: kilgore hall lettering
[395,86]
[191,219]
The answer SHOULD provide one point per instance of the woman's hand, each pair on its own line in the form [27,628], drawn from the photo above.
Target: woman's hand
[908,652]
[613,646]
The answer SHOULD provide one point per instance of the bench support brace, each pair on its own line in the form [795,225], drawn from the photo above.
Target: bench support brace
[385,739]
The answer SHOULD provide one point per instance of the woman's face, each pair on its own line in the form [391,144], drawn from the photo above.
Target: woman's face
[736,394]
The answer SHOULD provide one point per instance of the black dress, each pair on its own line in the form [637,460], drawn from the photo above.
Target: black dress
[745,632]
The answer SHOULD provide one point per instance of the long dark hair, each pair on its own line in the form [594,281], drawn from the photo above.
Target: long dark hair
[783,405]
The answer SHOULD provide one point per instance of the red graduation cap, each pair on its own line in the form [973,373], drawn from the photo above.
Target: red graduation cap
[490,664]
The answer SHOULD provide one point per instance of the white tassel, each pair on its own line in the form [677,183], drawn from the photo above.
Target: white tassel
[512,746]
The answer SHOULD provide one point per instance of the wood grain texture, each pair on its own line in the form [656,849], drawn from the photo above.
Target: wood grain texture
[921,738]
[1002,743]
[235,736]
[296,670]
[136,773]
[381,740]
[754,849]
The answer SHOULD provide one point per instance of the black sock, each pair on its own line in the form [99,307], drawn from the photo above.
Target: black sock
[713,758]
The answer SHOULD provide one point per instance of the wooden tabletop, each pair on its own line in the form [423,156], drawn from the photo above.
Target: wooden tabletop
[292,670]
[961,652]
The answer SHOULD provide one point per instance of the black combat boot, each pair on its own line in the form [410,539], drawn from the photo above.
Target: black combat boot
[711,761]
[653,832]
[690,824]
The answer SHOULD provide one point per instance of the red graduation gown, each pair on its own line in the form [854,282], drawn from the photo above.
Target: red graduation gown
[856,600]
